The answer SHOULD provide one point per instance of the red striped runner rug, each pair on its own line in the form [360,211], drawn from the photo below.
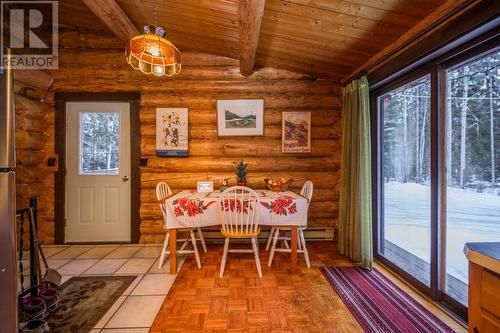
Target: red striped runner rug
[379,305]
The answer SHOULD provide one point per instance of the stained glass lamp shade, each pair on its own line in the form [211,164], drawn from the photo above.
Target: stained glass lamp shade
[152,53]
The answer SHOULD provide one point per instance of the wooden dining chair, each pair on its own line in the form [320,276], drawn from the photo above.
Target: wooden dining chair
[163,192]
[274,234]
[239,210]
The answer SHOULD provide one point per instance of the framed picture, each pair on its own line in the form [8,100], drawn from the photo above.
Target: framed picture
[205,186]
[296,132]
[171,132]
[240,117]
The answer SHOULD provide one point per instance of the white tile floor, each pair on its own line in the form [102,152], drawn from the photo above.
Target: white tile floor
[136,309]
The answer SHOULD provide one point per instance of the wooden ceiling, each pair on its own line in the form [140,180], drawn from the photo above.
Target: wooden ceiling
[322,38]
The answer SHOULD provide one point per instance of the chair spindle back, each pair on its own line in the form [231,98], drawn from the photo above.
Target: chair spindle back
[163,191]
[239,206]
[307,191]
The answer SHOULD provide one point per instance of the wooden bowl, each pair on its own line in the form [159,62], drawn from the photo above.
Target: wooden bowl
[278,188]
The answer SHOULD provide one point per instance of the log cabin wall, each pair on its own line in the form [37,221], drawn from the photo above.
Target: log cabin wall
[95,63]
[34,109]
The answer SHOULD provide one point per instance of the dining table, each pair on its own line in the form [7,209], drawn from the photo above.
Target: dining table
[191,209]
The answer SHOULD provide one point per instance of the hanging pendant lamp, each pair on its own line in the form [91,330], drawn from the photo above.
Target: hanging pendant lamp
[152,53]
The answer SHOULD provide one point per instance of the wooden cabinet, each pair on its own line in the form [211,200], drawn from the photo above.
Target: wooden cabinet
[484,300]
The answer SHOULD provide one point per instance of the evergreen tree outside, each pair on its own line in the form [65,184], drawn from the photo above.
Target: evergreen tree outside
[99,142]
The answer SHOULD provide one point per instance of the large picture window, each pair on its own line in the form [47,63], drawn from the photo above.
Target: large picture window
[437,146]
[472,163]
[406,176]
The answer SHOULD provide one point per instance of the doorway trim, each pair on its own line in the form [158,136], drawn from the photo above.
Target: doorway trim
[60,148]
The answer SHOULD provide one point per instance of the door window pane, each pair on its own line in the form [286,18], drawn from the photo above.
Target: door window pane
[405,228]
[473,164]
[99,142]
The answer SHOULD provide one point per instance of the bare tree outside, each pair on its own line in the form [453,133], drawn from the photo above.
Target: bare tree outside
[472,144]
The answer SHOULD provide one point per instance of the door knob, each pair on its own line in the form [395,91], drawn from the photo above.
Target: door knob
[125,179]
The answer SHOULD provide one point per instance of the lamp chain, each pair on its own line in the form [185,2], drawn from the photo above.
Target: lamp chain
[154,12]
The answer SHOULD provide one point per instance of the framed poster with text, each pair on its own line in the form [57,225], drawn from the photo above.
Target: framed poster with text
[296,135]
[171,132]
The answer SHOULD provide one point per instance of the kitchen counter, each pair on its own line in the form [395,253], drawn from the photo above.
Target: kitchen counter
[484,287]
[484,254]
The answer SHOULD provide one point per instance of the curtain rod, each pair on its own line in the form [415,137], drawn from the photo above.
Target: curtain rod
[407,43]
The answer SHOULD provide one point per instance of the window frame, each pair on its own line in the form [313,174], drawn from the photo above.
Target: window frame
[80,148]
[453,60]
[377,180]
[436,68]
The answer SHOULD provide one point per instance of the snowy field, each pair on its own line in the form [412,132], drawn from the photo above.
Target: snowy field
[471,216]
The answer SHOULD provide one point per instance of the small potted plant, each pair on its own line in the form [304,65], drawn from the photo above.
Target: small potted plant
[241,173]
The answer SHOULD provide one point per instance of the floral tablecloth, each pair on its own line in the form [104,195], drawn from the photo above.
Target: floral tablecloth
[191,209]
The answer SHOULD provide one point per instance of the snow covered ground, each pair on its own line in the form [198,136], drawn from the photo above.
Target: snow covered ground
[471,217]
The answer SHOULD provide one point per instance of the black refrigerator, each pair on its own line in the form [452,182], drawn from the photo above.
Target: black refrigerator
[8,237]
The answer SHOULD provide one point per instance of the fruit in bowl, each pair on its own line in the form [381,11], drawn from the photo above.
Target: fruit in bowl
[277,184]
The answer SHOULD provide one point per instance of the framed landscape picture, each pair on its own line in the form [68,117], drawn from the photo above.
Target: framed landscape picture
[171,132]
[296,132]
[240,117]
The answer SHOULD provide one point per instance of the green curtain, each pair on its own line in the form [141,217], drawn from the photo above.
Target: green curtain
[355,222]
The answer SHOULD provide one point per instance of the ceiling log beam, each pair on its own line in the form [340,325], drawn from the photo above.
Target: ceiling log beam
[251,14]
[114,17]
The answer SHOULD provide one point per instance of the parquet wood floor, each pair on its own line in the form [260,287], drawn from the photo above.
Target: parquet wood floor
[281,301]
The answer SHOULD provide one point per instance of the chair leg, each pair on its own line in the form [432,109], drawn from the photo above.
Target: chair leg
[164,250]
[303,241]
[195,249]
[285,242]
[224,257]
[270,238]
[273,247]
[256,252]
[202,240]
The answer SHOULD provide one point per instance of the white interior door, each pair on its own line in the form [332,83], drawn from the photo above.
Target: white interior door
[98,171]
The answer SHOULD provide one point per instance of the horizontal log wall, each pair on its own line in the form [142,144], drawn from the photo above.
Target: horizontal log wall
[101,67]
[34,110]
